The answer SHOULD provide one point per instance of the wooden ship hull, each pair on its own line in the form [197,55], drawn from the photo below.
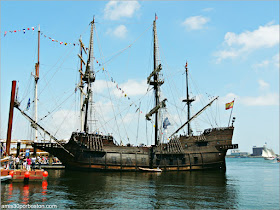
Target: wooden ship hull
[99,153]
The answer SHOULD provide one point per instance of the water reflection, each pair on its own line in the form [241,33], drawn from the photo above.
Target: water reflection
[147,190]
[242,186]
[20,193]
[72,189]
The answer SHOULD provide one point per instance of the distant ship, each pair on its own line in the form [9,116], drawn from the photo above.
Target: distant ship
[98,152]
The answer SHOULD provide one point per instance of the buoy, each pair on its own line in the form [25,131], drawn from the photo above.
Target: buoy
[45,174]
[27,174]
[11,173]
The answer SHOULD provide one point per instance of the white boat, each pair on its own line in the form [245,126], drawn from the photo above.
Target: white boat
[6,178]
[150,169]
[268,154]
[269,158]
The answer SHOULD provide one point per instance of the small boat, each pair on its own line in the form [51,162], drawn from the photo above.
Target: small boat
[150,169]
[6,178]
[269,158]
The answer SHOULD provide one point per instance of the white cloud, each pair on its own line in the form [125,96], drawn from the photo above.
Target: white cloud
[99,86]
[268,63]
[238,44]
[269,99]
[195,22]
[63,123]
[209,9]
[119,32]
[263,85]
[228,98]
[132,88]
[115,10]
[275,61]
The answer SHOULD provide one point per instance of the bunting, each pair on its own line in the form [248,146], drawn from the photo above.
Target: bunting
[23,30]
[60,42]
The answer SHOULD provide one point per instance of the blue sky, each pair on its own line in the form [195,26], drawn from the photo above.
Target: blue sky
[232,48]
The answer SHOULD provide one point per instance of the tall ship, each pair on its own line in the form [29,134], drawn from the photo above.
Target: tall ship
[95,151]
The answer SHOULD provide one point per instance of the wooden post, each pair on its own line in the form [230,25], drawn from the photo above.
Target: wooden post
[10,122]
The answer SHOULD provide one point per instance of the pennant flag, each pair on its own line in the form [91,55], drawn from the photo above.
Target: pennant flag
[33,28]
[28,104]
[166,123]
[229,105]
[5,33]
[156,17]
[23,31]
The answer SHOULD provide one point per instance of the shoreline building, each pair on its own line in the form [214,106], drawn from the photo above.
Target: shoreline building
[257,151]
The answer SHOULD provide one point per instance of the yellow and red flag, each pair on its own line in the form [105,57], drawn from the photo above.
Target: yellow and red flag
[229,105]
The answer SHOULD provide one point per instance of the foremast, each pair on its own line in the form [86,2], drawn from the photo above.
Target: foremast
[36,78]
[89,78]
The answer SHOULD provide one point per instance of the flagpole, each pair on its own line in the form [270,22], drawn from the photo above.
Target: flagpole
[231,112]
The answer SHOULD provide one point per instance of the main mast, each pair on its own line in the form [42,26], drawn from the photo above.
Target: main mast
[156,87]
[156,83]
[89,77]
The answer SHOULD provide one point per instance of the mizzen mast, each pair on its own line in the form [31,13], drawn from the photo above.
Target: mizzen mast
[188,100]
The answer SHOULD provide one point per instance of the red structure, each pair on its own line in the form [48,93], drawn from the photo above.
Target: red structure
[11,113]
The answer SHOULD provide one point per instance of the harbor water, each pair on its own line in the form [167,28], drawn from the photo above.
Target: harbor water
[248,183]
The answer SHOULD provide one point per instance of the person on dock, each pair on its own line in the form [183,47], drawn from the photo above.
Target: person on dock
[17,162]
[39,162]
[24,164]
[33,162]
[14,162]
[28,163]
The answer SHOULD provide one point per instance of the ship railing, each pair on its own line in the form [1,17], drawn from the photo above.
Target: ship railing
[209,130]
[47,145]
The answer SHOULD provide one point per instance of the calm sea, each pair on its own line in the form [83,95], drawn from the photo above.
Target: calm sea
[248,183]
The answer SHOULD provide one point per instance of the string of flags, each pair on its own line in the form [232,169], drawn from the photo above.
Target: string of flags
[44,35]
[60,42]
[20,30]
